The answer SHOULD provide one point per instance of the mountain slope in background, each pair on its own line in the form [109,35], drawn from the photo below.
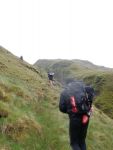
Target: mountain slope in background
[47,63]
[69,69]
[100,77]
[29,115]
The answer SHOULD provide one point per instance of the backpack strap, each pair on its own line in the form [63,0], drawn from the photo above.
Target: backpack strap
[73,104]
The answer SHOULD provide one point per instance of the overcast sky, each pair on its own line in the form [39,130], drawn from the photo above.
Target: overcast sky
[68,29]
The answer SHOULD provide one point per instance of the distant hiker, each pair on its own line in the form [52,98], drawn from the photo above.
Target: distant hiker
[21,58]
[76,100]
[51,77]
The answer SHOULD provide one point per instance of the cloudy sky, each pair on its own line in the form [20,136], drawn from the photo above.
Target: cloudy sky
[50,29]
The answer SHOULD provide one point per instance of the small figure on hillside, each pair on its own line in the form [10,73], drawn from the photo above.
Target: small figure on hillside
[51,77]
[21,58]
[76,100]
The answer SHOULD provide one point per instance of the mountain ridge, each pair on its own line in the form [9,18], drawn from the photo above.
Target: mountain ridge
[85,63]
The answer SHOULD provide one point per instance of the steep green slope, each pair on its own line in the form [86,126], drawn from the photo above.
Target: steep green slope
[29,115]
[100,77]
[27,107]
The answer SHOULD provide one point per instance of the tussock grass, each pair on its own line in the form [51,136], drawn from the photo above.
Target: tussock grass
[32,119]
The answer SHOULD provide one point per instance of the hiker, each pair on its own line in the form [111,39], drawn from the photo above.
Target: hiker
[21,58]
[51,77]
[76,100]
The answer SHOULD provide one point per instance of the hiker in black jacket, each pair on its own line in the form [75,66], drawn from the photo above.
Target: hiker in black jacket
[78,120]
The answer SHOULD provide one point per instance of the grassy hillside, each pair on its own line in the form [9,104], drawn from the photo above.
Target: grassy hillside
[29,115]
[27,107]
[100,77]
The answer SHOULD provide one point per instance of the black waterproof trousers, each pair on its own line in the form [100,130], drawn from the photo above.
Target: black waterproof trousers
[77,132]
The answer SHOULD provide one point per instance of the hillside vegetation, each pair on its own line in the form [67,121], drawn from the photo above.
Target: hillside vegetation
[100,77]
[27,107]
[29,115]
